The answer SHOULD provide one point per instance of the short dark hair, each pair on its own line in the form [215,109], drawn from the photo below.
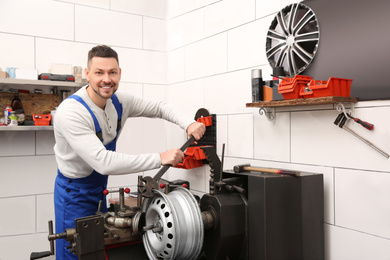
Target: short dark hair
[103,51]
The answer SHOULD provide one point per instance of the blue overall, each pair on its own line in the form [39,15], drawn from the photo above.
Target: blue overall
[76,198]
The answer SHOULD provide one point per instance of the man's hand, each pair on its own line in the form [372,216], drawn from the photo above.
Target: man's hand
[172,157]
[196,129]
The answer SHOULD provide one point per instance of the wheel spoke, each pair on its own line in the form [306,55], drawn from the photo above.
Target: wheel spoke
[302,54]
[275,49]
[281,22]
[303,21]
[305,37]
[293,15]
[281,57]
[272,34]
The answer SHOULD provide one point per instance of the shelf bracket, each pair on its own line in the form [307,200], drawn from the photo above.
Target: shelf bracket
[340,107]
[269,113]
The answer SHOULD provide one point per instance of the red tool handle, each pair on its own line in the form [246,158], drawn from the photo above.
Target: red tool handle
[364,124]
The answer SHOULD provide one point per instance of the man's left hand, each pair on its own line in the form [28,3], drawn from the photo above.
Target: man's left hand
[196,129]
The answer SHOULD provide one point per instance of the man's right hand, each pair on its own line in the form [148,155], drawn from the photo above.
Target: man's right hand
[172,157]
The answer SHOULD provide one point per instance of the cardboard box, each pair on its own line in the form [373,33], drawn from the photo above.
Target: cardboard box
[3,75]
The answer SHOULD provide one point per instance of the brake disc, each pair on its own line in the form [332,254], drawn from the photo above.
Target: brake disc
[174,226]
[292,39]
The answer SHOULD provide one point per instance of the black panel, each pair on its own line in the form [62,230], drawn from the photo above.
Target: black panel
[354,43]
[285,217]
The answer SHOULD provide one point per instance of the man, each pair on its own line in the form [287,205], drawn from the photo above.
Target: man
[86,130]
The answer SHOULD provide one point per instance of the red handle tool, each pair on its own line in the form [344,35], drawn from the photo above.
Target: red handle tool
[363,123]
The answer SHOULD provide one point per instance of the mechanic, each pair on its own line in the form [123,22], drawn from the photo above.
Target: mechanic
[86,129]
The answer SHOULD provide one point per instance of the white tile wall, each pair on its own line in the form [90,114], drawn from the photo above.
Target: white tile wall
[45,212]
[150,8]
[362,203]
[213,50]
[175,66]
[342,243]
[154,34]
[240,136]
[42,18]
[20,247]
[323,143]
[11,143]
[96,3]
[186,29]
[130,61]
[23,216]
[95,25]
[222,133]
[140,66]
[16,51]
[187,96]
[179,7]
[197,177]
[36,172]
[265,8]
[154,67]
[246,45]
[129,140]
[228,93]
[48,52]
[228,14]
[134,88]
[272,138]
[44,142]
[157,92]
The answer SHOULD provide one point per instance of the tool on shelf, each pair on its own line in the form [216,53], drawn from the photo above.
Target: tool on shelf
[340,122]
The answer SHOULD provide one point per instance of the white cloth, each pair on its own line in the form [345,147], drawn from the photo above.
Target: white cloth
[79,151]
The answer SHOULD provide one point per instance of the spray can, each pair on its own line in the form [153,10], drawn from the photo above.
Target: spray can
[7,113]
[257,85]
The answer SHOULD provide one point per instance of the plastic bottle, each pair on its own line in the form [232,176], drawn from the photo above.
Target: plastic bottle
[18,108]
[7,112]
[14,119]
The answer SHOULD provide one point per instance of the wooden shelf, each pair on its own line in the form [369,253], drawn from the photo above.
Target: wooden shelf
[40,83]
[303,102]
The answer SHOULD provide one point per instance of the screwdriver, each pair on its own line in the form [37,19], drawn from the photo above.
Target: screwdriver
[363,123]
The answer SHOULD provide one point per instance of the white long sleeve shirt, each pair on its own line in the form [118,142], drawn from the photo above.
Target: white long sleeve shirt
[79,151]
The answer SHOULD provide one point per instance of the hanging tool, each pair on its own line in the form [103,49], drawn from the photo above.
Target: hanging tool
[340,107]
[340,121]
[363,123]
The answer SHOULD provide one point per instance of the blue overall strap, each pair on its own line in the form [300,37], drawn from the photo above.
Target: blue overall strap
[119,109]
[95,121]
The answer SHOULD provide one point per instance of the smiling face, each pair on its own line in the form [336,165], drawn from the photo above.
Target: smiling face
[103,75]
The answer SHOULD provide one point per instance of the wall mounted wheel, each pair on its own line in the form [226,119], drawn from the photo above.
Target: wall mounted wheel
[292,39]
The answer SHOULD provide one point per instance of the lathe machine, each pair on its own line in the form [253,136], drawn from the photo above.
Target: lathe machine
[250,213]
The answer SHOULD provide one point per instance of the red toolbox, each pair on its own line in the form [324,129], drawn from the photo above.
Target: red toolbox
[290,87]
[337,87]
[42,119]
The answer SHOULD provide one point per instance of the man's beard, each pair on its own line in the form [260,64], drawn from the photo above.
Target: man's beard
[100,95]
